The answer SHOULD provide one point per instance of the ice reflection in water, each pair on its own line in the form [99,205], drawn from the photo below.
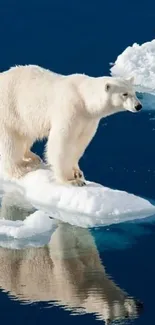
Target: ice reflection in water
[67,272]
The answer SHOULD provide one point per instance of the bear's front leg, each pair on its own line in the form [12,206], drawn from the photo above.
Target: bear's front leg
[61,156]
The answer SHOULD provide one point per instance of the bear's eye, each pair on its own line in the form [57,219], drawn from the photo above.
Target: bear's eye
[125,94]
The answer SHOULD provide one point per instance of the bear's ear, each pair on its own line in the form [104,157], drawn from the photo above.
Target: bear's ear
[130,79]
[107,87]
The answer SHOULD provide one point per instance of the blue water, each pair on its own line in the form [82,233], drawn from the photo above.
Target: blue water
[85,36]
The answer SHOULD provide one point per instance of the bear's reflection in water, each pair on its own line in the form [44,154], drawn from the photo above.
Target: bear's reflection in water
[67,272]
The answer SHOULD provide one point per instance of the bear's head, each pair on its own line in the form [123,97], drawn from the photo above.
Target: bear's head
[121,94]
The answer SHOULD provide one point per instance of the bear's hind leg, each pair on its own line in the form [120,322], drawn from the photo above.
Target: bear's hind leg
[12,152]
[30,156]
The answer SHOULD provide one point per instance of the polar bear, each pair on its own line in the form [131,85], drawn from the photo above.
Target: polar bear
[36,103]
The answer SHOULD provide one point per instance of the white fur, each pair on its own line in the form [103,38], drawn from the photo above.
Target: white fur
[37,103]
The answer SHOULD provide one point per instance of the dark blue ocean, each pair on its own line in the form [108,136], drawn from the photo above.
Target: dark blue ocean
[84,36]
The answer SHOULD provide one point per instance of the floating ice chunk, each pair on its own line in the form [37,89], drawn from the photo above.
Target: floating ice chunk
[138,61]
[38,222]
[89,206]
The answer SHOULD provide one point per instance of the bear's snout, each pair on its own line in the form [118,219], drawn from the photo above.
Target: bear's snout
[138,107]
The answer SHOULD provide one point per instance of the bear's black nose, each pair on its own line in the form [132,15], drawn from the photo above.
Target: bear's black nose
[138,107]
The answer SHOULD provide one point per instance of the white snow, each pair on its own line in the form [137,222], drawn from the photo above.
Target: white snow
[138,61]
[90,206]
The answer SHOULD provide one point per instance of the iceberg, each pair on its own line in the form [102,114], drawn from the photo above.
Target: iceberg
[137,61]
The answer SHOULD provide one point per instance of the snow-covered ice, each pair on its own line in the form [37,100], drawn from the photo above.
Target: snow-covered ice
[28,205]
[138,61]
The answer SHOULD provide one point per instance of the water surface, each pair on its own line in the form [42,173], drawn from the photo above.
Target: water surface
[84,275]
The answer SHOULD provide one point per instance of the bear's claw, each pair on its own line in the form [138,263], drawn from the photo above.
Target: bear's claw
[78,174]
[77,182]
